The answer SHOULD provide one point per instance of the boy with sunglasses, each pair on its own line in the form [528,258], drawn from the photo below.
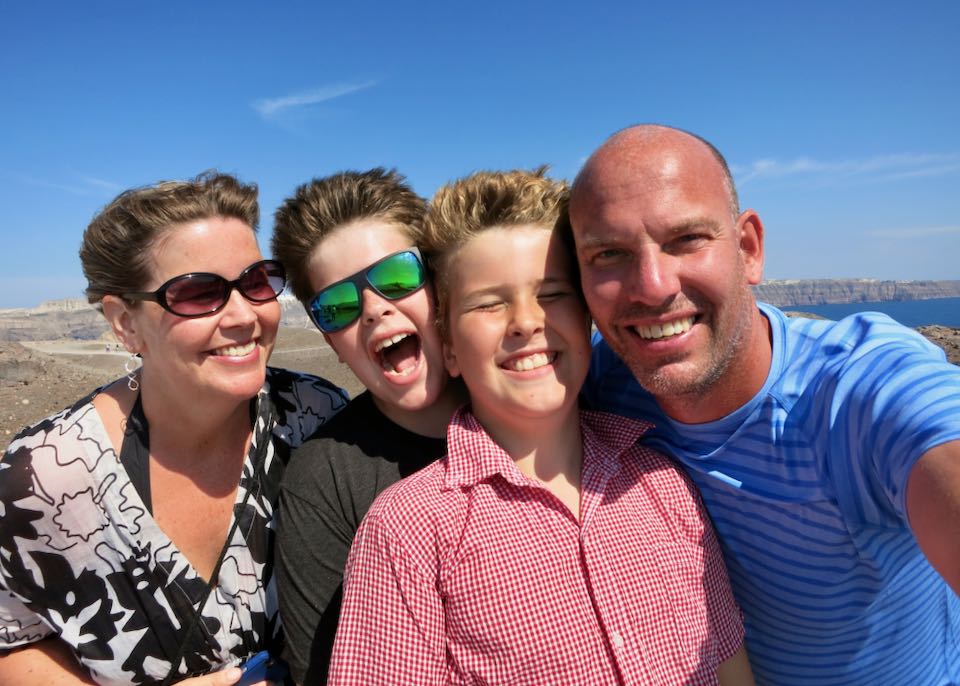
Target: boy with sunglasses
[349,243]
[546,547]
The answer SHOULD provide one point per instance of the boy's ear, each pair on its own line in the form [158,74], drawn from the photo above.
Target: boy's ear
[450,361]
[119,315]
[326,337]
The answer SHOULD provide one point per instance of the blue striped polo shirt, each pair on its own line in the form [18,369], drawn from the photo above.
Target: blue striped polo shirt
[806,487]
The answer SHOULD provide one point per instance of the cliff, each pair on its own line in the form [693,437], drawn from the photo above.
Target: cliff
[790,293]
[75,319]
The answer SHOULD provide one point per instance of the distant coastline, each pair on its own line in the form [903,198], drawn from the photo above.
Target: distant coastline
[75,319]
[793,292]
[912,313]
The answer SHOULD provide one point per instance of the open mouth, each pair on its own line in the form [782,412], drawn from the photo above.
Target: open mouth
[399,354]
[665,330]
[530,362]
[235,350]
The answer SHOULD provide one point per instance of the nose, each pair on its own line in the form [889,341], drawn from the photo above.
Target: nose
[374,305]
[238,311]
[654,280]
[527,317]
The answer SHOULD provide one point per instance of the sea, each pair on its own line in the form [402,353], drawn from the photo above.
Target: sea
[912,313]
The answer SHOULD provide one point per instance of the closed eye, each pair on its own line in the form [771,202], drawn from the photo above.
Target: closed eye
[485,306]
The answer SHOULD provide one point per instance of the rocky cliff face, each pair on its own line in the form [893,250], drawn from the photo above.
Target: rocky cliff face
[57,319]
[826,291]
[76,319]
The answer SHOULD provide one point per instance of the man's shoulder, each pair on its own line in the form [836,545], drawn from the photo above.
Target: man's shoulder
[865,342]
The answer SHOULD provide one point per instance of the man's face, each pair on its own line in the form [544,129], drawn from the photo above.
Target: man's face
[665,265]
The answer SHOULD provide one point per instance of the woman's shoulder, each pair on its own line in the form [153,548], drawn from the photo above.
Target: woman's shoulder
[59,427]
[303,401]
[56,455]
[288,381]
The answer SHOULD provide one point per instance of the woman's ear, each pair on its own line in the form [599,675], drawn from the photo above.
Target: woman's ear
[450,361]
[119,315]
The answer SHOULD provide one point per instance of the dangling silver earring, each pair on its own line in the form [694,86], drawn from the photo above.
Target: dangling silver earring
[132,368]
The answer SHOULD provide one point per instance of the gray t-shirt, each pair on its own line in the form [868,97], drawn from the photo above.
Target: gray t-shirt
[329,485]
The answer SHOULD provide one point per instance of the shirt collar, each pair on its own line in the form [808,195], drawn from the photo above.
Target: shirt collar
[473,456]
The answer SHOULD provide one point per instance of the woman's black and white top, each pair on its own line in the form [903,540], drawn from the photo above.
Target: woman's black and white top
[82,558]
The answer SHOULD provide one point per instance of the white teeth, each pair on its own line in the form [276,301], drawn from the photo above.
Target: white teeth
[393,340]
[236,350]
[673,328]
[525,364]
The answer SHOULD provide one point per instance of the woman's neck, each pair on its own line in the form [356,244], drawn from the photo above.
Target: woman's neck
[191,431]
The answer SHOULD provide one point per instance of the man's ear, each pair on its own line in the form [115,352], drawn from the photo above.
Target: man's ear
[450,361]
[750,229]
[119,315]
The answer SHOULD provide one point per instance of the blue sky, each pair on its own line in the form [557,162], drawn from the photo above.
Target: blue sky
[841,120]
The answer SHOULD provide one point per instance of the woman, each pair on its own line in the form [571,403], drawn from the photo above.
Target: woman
[137,523]
[350,242]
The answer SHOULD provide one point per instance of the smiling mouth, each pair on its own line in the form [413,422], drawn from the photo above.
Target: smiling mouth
[530,362]
[235,350]
[665,330]
[399,354]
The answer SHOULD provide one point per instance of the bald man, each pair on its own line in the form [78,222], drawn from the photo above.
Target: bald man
[828,453]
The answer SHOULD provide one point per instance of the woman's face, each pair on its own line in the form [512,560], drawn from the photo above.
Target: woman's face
[393,348]
[217,356]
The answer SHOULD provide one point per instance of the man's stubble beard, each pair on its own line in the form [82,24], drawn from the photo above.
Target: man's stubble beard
[719,355]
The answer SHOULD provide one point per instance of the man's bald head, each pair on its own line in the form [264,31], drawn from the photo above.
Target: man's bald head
[630,147]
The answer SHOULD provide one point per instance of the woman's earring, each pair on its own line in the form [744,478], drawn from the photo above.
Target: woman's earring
[132,369]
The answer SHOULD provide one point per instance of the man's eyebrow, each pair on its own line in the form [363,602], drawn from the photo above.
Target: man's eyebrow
[592,240]
[694,223]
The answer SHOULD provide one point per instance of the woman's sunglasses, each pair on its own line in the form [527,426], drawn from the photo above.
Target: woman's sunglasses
[202,293]
[395,276]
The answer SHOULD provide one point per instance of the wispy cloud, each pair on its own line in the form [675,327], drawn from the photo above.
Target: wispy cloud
[82,185]
[869,169]
[268,108]
[108,186]
[916,231]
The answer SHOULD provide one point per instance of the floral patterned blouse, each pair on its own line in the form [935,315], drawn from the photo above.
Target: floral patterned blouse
[82,558]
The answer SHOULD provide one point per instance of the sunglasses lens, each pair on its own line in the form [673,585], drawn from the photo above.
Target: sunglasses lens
[336,307]
[397,276]
[263,281]
[194,295]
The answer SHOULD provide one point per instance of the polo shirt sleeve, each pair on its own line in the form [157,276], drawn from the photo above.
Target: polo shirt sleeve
[892,403]
[392,621]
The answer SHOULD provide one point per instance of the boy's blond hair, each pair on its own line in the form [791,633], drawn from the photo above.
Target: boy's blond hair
[485,200]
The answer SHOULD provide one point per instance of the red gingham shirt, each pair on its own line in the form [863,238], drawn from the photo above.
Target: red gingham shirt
[469,572]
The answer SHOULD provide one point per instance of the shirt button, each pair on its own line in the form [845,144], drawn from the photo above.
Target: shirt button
[617,640]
